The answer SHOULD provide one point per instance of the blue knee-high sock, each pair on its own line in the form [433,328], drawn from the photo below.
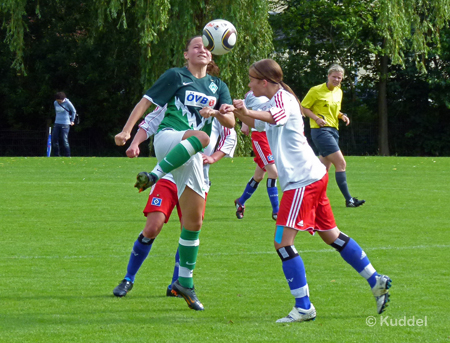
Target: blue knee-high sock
[352,253]
[140,251]
[175,269]
[272,190]
[249,190]
[341,180]
[294,270]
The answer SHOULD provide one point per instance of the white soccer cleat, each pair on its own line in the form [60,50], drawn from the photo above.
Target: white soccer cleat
[381,292]
[299,315]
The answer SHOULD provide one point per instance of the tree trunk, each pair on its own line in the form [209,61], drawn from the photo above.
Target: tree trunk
[383,142]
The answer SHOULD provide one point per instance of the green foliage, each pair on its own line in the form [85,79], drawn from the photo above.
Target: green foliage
[69,225]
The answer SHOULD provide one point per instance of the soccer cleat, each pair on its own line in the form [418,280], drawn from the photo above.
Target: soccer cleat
[274,216]
[145,180]
[299,315]
[381,292]
[123,288]
[239,209]
[354,202]
[189,295]
[170,294]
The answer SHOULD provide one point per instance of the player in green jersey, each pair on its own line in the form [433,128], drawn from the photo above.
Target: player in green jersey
[193,99]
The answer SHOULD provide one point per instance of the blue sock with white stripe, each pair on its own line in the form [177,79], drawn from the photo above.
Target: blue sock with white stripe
[272,190]
[250,188]
[175,269]
[352,253]
[294,271]
[140,251]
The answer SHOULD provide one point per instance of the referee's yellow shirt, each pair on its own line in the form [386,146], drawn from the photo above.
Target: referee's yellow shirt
[325,104]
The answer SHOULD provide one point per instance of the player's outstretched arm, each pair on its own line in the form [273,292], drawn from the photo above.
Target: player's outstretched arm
[138,111]
[133,150]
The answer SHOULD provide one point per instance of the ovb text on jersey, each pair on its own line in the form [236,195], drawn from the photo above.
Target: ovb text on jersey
[196,99]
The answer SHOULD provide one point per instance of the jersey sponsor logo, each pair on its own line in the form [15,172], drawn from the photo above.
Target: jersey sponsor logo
[213,87]
[157,202]
[270,158]
[196,99]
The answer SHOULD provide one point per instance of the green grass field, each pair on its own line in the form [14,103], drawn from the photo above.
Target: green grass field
[67,227]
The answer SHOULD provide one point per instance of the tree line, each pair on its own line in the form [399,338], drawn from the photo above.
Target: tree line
[105,54]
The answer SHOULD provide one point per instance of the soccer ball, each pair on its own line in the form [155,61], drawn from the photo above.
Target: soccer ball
[219,36]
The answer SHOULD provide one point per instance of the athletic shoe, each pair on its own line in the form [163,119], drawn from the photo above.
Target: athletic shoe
[239,209]
[274,216]
[299,315]
[381,292]
[145,180]
[188,294]
[354,202]
[170,294]
[123,288]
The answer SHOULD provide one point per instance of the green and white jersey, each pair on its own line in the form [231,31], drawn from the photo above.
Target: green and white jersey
[185,96]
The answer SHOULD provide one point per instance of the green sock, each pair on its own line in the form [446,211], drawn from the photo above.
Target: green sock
[180,154]
[188,250]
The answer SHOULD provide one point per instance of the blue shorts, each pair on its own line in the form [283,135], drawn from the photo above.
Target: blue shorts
[326,140]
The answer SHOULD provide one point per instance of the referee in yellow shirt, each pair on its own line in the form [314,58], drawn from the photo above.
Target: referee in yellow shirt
[322,105]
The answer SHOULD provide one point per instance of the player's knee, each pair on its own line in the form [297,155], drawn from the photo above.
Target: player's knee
[203,138]
[258,178]
[152,230]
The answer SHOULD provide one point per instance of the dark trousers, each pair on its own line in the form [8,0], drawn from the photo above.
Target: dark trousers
[60,138]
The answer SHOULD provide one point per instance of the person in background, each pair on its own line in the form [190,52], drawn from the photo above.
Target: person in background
[322,104]
[65,117]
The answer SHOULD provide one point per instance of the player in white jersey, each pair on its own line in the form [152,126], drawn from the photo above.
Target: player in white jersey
[264,162]
[303,179]
[163,195]
[193,98]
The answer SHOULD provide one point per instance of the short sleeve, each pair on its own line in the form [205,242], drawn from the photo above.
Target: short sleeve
[164,89]
[310,99]
[224,95]
[279,113]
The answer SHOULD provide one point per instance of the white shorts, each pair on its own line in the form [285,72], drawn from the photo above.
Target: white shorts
[189,174]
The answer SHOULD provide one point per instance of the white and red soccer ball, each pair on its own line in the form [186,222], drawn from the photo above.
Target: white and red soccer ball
[219,36]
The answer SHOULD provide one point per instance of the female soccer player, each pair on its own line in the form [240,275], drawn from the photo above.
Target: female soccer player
[303,179]
[264,162]
[193,99]
[322,104]
[163,195]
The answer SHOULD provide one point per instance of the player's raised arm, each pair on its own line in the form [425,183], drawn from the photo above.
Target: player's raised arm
[138,111]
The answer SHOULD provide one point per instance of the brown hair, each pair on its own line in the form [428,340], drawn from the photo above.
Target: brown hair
[212,68]
[60,96]
[270,71]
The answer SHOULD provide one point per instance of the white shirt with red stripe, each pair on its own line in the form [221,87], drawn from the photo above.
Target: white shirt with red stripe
[223,138]
[296,162]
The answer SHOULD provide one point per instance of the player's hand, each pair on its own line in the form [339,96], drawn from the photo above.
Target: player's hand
[345,119]
[208,159]
[72,124]
[240,108]
[226,108]
[321,122]
[207,112]
[244,129]
[133,151]
[121,138]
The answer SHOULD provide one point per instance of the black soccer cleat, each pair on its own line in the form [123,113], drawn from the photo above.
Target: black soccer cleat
[354,202]
[170,294]
[239,209]
[274,216]
[145,180]
[189,296]
[123,288]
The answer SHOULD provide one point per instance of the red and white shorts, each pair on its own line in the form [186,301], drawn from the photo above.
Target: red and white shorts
[163,198]
[261,148]
[307,208]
